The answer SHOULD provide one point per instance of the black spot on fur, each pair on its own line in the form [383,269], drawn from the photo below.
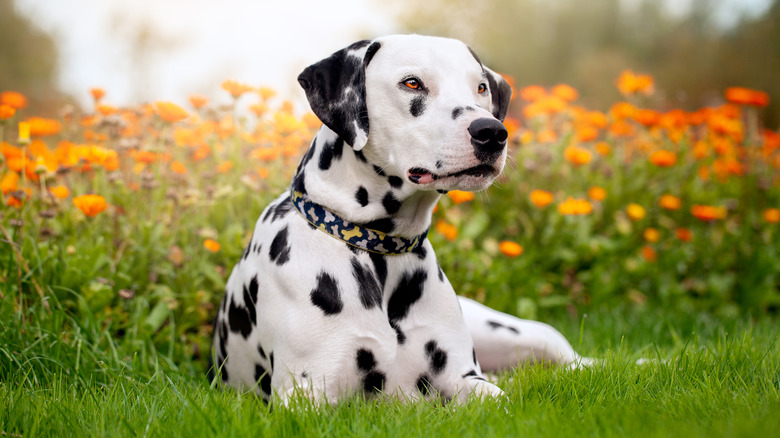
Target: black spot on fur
[326,294]
[239,320]
[250,298]
[474,355]
[379,170]
[370,52]
[395,181]
[420,251]
[280,249]
[222,368]
[271,360]
[457,112]
[309,154]
[281,209]
[400,336]
[441,273]
[354,249]
[360,156]
[264,377]
[362,196]
[385,225]
[406,293]
[496,325]
[247,250]
[472,373]
[424,384]
[437,357]
[326,156]
[261,351]
[370,292]
[365,360]
[417,106]
[380,267]
[223,333]
[299,182]
[374,381]
[391,204]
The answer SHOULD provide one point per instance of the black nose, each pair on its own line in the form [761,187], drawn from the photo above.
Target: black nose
[488,136]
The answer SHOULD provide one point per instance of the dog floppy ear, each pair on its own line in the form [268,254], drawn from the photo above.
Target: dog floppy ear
[500,92]
[336,90]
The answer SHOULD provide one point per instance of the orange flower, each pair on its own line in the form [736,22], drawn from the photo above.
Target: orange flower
[13,99]
[170,112]
[651,235]
[90,205]
[259,109]
[532,93]
[510,249]
[106,110]
[311,120]
[59,192]
[577,155]
[629,83]
[683,234]
[575,207]
[10,182]
[6,111]
[648,253]
[266,93]
[771,215]
[17,198]
[265,154]
[603,148]
[647,117]
[179,167]
[198,101]
[97,93]
[224,167]
[565,92]
[670,202]
[546,136]
[663,158]
[586,133]
[541,198]
[211,245]
[145,157]
[236,89]
[635,212]
[42,127]
[449,231]
[597,193]
[459,196]
[708,213]
[746,96]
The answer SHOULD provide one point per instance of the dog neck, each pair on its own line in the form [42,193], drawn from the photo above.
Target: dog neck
[347,183]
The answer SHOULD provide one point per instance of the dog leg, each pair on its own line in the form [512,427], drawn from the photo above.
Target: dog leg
[503,341]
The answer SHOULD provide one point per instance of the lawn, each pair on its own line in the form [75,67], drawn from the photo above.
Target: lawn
[639,233]
[709,377]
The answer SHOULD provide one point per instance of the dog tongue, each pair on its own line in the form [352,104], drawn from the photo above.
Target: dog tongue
[421,176]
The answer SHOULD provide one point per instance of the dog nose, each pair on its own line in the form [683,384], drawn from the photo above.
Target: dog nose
[488,136]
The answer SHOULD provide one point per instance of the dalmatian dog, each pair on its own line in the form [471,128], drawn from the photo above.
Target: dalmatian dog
[339,291]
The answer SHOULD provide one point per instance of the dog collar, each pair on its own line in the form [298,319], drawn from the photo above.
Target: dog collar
[350,233]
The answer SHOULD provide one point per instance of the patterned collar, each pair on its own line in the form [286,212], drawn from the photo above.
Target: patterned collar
[350,233]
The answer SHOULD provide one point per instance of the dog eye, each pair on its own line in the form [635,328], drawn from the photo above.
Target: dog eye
[412,83]
[482,88]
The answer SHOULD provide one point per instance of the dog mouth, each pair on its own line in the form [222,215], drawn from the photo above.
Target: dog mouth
[419,175]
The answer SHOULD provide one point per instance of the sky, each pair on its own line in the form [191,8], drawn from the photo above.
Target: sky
[258,42]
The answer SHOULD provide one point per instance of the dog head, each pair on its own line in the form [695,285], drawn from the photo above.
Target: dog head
[422,107]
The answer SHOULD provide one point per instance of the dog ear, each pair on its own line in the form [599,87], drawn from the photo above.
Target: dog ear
[336,90]
[500,91]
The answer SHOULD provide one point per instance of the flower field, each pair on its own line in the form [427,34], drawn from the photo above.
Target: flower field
[131,218]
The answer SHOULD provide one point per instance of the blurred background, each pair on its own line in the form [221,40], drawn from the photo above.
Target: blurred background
[166,49]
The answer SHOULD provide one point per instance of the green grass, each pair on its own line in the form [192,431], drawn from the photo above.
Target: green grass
[717,377]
